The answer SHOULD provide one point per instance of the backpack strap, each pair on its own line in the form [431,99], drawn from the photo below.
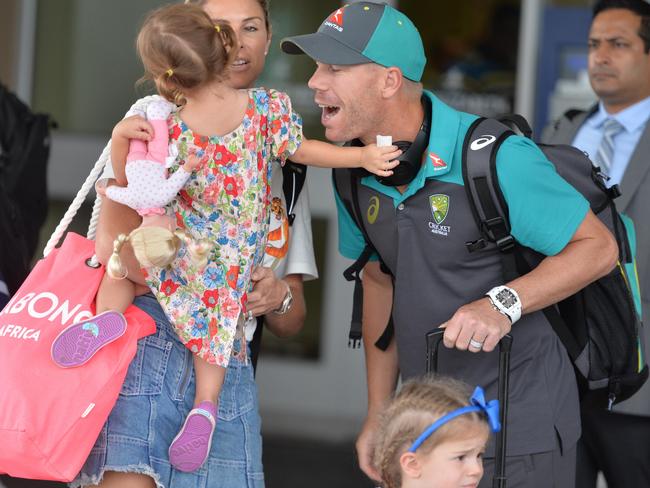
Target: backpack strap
[350,200]
[517,123]
[490,210]
[293,179]
[353,273]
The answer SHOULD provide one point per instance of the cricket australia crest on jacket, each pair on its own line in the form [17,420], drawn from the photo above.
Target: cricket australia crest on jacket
[439,210]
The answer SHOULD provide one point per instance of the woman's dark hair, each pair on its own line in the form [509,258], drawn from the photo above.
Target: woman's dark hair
[639,7]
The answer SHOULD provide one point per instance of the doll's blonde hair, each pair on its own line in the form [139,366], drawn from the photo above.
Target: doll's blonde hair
[419,404]
[155,247]
[182,49]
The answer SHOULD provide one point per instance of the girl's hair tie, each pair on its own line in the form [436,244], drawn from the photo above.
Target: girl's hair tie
[217,28]
[169,72]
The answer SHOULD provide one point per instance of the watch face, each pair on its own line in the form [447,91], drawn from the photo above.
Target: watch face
[506,298]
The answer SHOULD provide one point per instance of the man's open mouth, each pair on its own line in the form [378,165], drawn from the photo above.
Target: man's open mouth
[329,111]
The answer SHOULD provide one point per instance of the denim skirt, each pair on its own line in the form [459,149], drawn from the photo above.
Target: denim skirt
[156,396]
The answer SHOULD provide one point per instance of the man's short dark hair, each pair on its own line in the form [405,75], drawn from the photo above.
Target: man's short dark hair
[639,7]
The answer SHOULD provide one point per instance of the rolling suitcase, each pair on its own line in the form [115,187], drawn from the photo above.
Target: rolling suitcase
[434,338]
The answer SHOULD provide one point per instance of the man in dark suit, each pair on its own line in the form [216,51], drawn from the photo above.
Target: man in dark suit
[616,135]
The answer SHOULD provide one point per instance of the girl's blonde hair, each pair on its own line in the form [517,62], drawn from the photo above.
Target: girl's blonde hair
[155,247]
[183,49]
[419,404]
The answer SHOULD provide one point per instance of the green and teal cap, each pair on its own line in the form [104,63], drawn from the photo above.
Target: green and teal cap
[364,32]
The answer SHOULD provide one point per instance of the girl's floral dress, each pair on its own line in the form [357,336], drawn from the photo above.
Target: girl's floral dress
[225,202]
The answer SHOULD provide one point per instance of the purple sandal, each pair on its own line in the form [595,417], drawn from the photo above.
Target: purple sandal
[191,446]
[76,344]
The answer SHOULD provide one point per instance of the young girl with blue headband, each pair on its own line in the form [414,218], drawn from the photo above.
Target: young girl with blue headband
[433,434]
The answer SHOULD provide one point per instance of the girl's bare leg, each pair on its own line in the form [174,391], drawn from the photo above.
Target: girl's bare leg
[191,447]
[209,380]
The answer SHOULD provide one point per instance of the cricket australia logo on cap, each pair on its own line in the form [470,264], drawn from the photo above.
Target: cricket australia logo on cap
[335,21]
[439,209]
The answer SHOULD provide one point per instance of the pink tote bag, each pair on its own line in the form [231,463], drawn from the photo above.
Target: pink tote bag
[50,417]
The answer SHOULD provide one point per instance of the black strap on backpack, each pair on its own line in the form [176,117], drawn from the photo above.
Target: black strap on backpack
[490,209]
[488,206]
[293,180]
[353,272]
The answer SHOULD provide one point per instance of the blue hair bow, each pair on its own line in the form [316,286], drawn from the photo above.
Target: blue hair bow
[477,404]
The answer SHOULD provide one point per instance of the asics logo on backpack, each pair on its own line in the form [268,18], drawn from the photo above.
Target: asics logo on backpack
[482,142]
[373,210]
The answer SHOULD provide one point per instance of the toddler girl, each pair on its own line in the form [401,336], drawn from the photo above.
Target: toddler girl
[433,435]
[225,139]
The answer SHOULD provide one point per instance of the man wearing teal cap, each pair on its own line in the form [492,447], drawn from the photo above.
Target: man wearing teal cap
[370,62]
[364,33]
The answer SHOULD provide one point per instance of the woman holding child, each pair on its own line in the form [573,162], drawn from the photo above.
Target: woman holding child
[132,450]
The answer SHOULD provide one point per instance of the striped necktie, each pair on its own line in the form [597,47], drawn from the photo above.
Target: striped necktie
[605,153]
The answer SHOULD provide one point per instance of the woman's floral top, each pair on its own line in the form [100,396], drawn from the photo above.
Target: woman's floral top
[225,202]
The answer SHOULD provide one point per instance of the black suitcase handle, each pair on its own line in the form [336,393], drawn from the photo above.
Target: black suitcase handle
[434,337]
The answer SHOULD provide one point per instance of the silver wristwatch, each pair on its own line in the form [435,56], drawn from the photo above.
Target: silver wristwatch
[505,300]
[285,306]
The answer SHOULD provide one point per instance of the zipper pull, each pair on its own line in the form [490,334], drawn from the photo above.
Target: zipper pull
[610,401]
[614,390]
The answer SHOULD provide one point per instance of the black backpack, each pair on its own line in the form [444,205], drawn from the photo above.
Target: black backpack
[293,179]
[24,152]
[600,326]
